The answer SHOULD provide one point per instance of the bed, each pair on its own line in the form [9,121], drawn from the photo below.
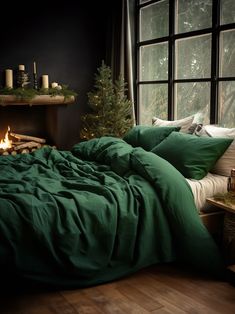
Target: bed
[101,211]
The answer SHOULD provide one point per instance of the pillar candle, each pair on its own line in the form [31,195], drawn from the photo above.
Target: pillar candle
[9,78]
[45,81]
[21,67]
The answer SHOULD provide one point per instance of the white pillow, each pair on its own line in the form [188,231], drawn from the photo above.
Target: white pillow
[183,123]
[227,161]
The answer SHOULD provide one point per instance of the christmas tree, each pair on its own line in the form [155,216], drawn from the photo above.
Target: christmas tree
[111,111]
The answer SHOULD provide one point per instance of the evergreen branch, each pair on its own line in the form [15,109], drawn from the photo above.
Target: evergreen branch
[30,93]
[20,93]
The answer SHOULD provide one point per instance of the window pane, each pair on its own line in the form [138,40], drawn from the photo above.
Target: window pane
[193,15]
[153,102]
[227,11]
[227,53]
[154,62]
[227,104]
[191,98]
[154,20]
[193,57]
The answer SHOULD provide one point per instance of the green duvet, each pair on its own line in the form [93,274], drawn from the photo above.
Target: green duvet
[96,213]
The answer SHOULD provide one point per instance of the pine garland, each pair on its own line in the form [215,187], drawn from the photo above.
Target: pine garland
[110,109]
[20,93]
[30,93]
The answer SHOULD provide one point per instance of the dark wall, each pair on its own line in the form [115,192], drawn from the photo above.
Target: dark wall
[68,42]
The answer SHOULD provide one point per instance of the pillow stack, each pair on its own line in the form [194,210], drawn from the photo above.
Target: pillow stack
[204,149]
[227,161]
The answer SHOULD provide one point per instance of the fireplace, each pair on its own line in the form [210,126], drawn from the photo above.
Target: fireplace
[42,121]
[23,120]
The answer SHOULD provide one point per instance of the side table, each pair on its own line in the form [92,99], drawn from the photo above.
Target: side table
[228,229]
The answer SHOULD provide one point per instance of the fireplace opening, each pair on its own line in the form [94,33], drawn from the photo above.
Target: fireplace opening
[15,143]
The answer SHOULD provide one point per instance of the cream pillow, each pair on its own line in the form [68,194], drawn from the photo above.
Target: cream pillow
[227,161]
[183,123]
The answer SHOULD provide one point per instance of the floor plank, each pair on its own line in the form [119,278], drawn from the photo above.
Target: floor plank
[161,289]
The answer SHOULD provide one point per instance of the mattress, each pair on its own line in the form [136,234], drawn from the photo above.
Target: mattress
[209,186]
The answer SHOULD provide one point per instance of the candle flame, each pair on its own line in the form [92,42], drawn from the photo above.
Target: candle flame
[6,143]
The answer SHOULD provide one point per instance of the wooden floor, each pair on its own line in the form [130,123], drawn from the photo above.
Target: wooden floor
[156,290]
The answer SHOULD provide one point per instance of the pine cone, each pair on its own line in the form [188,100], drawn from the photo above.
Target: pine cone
[22,79]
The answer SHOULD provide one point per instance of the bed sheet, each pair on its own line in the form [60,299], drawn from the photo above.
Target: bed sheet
[209,186]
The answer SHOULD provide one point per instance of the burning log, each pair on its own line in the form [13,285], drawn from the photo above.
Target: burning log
[27,145]
[18,142]
[28,138]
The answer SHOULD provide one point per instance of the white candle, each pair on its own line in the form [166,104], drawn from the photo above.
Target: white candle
[21,67]
[54,85]
[45,81]
[34,68]
[9,78]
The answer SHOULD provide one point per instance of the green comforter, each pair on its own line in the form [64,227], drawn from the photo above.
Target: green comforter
[98,212]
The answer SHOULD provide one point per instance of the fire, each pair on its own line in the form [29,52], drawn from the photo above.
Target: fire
[6,143]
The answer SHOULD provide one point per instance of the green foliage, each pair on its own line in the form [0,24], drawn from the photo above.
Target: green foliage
[228,198]
[110,109]
[192,60]
[30,93]
[64,91]
[21,93]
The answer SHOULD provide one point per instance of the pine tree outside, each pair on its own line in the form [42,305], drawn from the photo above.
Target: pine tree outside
[192,60]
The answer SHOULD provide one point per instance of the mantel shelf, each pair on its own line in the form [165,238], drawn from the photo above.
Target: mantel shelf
[11,100]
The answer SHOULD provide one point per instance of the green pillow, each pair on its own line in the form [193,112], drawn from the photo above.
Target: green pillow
[148,137]
[193,156]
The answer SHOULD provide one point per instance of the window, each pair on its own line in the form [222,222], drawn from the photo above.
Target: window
[186,60]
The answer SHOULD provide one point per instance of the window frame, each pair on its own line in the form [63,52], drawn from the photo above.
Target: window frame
[214,78]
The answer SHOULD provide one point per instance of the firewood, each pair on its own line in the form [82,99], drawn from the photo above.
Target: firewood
[6,151]
[28,138]
[27,145]
[25,151]
[17,143]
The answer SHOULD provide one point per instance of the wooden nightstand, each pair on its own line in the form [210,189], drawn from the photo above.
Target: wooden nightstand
[228,230]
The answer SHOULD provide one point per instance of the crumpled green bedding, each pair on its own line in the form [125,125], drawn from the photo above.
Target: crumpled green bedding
[96,213]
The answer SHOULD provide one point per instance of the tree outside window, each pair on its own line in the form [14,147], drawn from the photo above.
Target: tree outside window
[187,67]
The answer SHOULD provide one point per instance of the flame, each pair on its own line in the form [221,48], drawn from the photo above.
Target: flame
[6,143]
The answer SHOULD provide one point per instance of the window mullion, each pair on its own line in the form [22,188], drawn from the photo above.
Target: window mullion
[171,60]
[137,60]
[214,62]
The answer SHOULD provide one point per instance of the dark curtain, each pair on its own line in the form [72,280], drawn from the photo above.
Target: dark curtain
[121,44]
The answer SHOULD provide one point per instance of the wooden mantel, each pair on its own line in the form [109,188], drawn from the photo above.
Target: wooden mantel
[11,100]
